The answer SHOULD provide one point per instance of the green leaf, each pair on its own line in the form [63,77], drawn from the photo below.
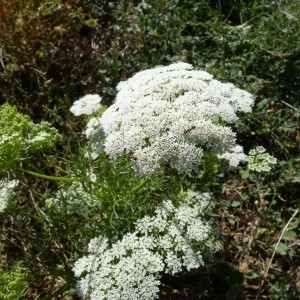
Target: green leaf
[289,235]
[244,174]
[235,203]
[282,249]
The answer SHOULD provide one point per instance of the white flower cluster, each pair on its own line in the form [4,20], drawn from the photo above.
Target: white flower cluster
[6,192]
[234,156]
[173,240]
[86,105]
[169,115]
[259,160]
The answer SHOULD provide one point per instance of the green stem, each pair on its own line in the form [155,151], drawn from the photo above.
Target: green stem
[67,179]
[139,186]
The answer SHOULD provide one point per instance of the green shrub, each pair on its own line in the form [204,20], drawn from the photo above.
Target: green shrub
[12,285]
[20,137]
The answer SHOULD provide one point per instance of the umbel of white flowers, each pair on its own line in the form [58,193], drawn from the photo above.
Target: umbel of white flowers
[170,241]
[170,115]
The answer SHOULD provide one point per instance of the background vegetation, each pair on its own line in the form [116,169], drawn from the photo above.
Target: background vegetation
[54,52]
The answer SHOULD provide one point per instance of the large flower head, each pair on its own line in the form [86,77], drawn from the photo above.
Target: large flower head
[169,115]
[173,240]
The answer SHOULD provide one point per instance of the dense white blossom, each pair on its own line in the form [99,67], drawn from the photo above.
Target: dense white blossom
[259,160]
[235,155]
[6,192]
[86,105]
[170,241]
[169,115]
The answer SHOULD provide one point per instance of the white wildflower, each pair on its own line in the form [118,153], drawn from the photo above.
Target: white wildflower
[6,192]
[169,115]
[170,241]
[259,160]
[235,155]
[127,270]
[86,105]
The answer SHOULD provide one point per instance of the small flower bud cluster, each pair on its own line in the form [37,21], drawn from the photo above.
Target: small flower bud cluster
[259,160]
[173,240]
[170,115]
[41,136]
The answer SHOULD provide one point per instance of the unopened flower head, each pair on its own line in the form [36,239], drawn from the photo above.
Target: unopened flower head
[41,136]
[19,135]
[86,105]
[170,241]
[259,160]
[170,115]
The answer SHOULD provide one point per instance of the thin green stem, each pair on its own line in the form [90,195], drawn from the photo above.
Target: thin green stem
[272,257]
[49,177]
[139,186]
